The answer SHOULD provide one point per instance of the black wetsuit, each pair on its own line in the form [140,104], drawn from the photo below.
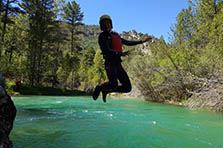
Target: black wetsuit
[113,64]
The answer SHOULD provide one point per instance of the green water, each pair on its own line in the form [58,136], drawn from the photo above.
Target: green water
[80,122]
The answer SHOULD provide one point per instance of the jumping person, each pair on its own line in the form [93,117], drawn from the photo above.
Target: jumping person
[111,46]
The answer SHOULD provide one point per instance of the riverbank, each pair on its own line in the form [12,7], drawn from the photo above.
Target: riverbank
[209,96]
[43,90]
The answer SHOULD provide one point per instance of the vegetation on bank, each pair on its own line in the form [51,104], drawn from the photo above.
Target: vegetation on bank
[47,45]
[178,70]
[43,90]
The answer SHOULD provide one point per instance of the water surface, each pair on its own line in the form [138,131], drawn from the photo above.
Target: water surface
[80,122]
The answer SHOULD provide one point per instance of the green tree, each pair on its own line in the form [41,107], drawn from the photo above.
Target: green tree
[12,63]
[206,11]
[96,74]
[185,27]
[73,17]
[86,62]
[68,70]
[7,8]
[41,20]
[55,54]
[216,29]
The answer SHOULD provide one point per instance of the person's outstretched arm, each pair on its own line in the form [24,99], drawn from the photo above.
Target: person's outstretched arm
[136,42]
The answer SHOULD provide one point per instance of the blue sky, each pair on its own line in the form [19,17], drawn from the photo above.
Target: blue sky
[153,17]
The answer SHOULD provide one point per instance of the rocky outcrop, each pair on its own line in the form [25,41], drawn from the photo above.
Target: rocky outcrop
[7,116]
[133,35]
[209,96]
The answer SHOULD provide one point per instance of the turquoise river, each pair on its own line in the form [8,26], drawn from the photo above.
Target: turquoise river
[80,122]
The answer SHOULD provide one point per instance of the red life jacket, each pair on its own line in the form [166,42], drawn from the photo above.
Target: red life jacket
[116,42]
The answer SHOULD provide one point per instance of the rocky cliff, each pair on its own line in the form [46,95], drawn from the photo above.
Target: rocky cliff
[209,95]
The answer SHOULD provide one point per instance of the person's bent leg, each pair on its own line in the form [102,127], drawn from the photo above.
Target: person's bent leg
[96,92]
[125,83]
[111,85]
[124,80]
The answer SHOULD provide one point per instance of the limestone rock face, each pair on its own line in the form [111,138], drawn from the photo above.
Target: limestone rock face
[209,96]
[7,116]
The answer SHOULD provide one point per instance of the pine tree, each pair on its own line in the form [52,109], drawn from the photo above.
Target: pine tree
[73,17]
[12,63]
[206,12]
[185,27]
[97,72]
[41,18]
[216,29]
[86,62]
[7,8]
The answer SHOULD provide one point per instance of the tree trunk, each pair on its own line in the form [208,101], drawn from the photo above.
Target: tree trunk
[32,61]
[5,24]
[56,66]
[10,54]
[5,20]
[1,5]
[72,36]
[39,71]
